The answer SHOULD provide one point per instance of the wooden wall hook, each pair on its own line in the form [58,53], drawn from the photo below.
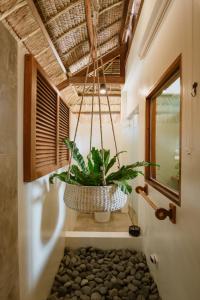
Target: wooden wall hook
[162,213]
[142,188]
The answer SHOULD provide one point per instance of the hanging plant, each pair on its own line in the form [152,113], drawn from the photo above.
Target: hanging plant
[97,170]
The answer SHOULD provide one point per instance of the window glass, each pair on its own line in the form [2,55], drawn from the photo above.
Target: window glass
[167,137]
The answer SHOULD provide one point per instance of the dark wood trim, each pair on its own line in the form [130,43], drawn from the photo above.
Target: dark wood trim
[167,77]
[153,136]
[29,111]
[122,63]
[57,129]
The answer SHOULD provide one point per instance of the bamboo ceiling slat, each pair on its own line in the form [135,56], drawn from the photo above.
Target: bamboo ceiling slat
[103,49]
[12,6]
[46,57]
[65,22]
[22,21]
[7,5]
[37,43]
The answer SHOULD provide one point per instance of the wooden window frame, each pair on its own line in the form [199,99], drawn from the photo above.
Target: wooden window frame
[31,172]
[175,67]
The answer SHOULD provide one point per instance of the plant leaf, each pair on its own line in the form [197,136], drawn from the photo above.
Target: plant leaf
[123,173]
[106,155]
[97,160]
[62,176]
[112,161]
[124,186]
[142,164]
[76,154]
[90,165]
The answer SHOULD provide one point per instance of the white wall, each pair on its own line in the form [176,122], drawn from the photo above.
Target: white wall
[83,133]
[41,219]
[177,246]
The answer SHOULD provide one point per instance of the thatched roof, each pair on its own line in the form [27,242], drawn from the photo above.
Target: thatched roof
[56,33]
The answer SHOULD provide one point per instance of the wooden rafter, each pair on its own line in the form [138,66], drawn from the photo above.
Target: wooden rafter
[96,95]
[81,80]
[97,112]
[43,29]
[90,29]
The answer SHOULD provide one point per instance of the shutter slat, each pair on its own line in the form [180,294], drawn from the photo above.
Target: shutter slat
[46,123]
[63,131]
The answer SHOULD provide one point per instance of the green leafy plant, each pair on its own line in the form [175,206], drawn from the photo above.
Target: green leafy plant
[99,162]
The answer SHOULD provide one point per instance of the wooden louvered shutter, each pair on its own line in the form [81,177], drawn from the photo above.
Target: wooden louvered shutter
[46,124]
[63,131]
[46,129]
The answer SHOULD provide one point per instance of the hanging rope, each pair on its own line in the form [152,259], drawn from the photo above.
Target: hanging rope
[79,113]
[100,125]
[111,120]
[108,102]
[96,66]
[91,126]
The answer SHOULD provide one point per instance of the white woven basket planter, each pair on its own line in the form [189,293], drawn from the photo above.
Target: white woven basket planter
[90,199]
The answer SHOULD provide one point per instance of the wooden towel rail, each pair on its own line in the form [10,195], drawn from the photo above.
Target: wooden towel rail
[160,213]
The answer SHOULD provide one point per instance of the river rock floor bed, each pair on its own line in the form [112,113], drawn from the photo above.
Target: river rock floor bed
[94,274]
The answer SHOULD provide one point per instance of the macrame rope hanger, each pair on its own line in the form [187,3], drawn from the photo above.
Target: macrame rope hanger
[97,63]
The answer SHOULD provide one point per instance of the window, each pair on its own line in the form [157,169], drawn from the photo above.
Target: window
[46,124]
[163,133]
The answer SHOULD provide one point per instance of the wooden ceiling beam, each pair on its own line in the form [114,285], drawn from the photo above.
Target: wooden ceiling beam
[97,112]
[96,95]
[81,80]
[36,14]
[90,29]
